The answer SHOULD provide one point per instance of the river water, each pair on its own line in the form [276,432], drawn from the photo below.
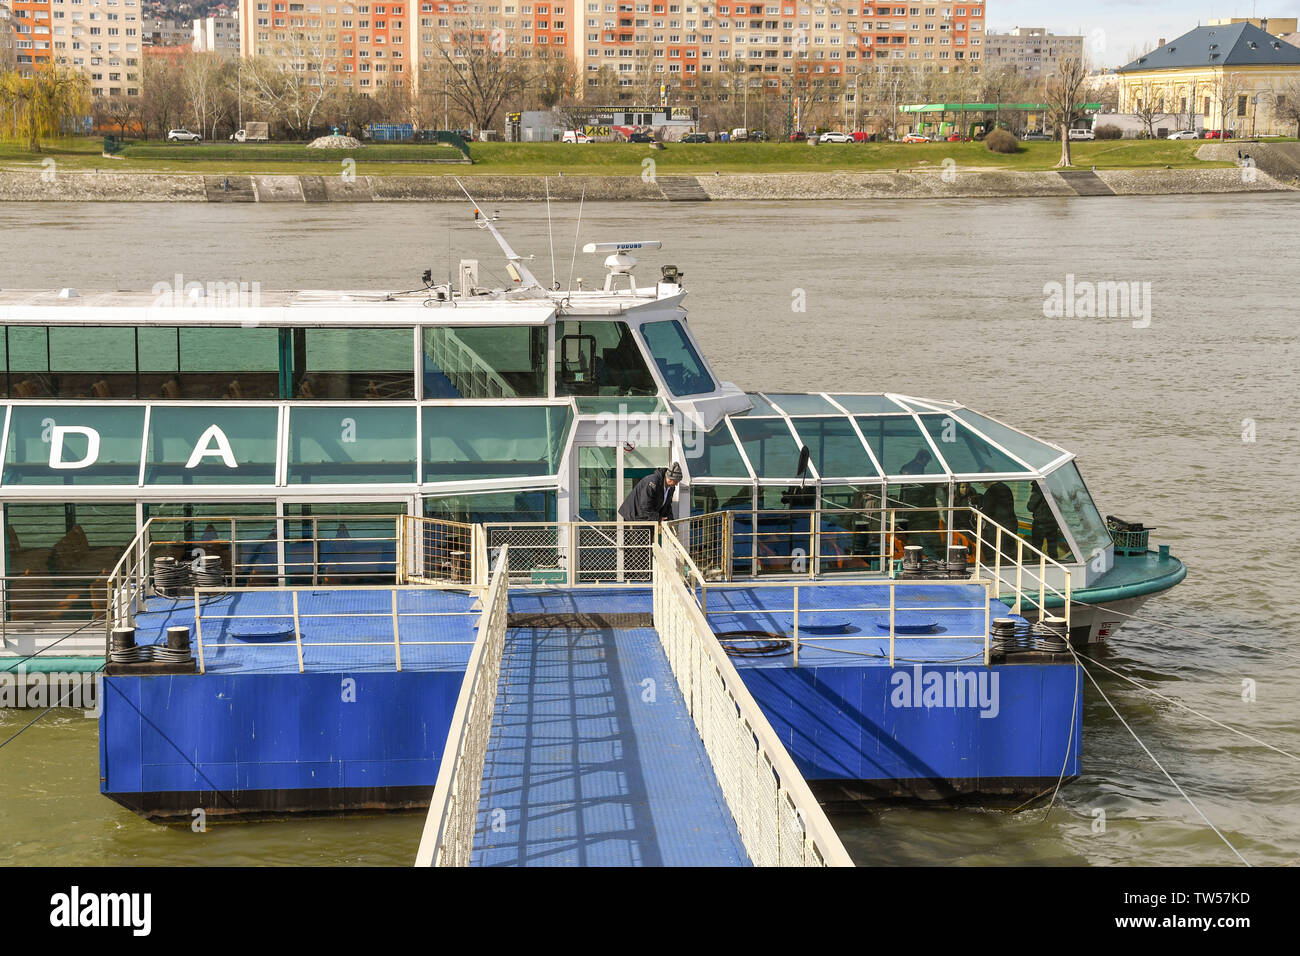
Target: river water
[943,299]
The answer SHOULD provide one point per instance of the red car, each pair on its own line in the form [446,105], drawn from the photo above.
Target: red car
[958,138]
[798,137]
[1214,134]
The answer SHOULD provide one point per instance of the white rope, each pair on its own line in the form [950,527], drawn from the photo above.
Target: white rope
[1217,723]
[1069,741]
[1158,764]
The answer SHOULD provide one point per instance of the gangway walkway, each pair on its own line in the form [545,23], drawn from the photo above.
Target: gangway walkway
[594,759]
[599,731]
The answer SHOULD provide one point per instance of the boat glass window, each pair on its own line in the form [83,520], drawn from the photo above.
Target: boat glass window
[679,363]
[619,405]
[1032,452]
[770,447]
[493,441]
[532,505]
[74,445]
[899,445]
[761,405]
[485,362]
[836,450]
[964,451]
[210,363]
[794,404]
[187,530]
[868,404]
[1077,508]
[211,444]
[92,362]
[599,358]
[351,445]
[80,541]
[714,454]
[350,364]
[349,542]
[851,524]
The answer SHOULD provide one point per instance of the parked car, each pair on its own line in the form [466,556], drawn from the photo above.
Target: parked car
[182,136]
[1082,134]
[1183,134]
[958,138]
[798,136]
[835,136]
[739,135]
[695,138]
[575,136]
[757,136]
[641,138]
[916,138]
[1035,135]
[1214,134]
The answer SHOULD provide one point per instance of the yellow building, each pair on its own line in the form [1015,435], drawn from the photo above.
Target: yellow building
[1235,77]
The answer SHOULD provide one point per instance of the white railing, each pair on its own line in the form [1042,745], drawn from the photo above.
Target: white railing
[448,838]
[437,551]
[779,819]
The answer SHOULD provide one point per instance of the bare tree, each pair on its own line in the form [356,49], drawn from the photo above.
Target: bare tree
[1148,109]
[1286,104]
[481,77]
[163,94]
[121,111]
[1064,101]
[291,86]
[1225,88]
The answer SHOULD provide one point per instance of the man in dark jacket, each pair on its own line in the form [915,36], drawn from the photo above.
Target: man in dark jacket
[652,498]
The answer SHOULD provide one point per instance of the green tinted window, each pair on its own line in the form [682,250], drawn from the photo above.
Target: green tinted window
[199,445]
[78,539]
[493,441]
[210,363]
[1077,508]
[599,358]
[795,404]
[867,404]
[769,446]
[74,445]
[899,446]
[493,506]
[93,361]
[714,454]
[351,444]
[678,362]
[29,362]
[963,450]
[488,362]
[835,447]
[353,364]
[1032,452]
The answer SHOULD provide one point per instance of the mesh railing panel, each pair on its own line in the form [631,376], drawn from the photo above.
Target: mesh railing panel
[448,838]
[779,820]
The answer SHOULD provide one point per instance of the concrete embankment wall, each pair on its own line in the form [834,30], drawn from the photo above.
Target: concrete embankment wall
[953,183]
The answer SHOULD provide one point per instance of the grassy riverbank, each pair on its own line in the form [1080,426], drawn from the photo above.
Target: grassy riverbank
[598,159]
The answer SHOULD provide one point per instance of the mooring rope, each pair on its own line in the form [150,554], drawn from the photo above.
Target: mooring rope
[1185,630]
[1158,764]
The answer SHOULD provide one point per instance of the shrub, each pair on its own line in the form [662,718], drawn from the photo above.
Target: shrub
[1001,141]
[1108,131]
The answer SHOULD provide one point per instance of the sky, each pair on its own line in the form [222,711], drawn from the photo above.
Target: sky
[1117,31]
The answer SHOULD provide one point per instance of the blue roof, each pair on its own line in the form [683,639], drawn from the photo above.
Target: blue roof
[1241,44]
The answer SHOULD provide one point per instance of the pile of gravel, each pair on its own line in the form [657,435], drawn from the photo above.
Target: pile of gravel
[334,142]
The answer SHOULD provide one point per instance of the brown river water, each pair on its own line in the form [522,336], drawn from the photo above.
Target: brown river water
[941,299]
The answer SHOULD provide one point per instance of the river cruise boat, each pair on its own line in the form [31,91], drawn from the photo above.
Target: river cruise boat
[278,429]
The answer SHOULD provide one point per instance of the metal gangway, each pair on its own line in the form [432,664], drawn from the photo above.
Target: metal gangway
[764,815]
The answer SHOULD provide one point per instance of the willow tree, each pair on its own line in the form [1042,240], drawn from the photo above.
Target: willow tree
[42,101]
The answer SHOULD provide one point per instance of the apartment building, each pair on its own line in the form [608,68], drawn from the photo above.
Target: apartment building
[168,33]
[8,39]
[102,38]
[717,51]
[359,45]
[219,34]
[1033,52]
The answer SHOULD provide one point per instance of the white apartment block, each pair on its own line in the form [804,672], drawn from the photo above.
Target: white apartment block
[218,35]
[1033,52]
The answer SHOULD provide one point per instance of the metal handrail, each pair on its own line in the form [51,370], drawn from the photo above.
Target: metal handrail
[745,773]
[448,836]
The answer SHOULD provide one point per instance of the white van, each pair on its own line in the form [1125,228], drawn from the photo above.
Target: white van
[1082,134]
[575,136]
[739,134]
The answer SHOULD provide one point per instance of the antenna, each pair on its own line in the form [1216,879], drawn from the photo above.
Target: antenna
[550,237]
[527,279]
[574,260]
